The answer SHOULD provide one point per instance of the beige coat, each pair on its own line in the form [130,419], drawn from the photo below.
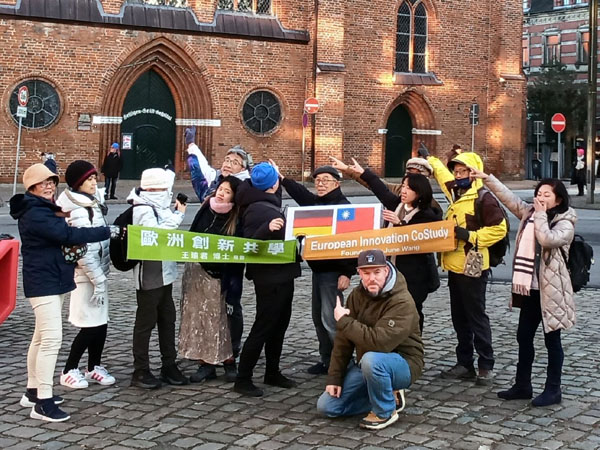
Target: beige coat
[556,292]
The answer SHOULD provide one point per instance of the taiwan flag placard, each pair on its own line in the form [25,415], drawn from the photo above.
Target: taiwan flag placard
[331,219]
[355,218]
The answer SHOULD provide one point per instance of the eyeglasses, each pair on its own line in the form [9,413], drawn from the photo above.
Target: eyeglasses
[47,183]
[461,172]
[324,181]
[233,161]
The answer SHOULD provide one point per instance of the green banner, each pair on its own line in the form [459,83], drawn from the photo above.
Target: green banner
[157,244]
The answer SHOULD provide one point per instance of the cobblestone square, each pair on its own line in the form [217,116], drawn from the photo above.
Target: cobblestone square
[442,414]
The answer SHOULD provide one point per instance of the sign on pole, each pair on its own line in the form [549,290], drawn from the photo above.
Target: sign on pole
[23,98]
[473,120]
[558,123]
[311,105]
[23,95]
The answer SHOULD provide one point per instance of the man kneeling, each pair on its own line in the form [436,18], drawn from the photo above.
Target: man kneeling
[382,323]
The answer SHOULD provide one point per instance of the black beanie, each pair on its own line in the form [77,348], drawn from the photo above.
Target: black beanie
[77,172]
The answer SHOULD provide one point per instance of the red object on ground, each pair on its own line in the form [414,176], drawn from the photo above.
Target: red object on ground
[9,264]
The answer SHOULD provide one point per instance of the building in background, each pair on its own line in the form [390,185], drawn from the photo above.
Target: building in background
[388,75]
[555,32]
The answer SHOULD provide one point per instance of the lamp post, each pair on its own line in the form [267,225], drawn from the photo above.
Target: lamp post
[592,98]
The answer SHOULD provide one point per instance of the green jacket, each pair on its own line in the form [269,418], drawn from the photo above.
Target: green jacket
[386,323]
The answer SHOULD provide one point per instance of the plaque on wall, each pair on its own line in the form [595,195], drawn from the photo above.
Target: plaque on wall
[84,123]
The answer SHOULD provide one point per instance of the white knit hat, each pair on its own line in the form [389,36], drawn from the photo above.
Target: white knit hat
[155,178]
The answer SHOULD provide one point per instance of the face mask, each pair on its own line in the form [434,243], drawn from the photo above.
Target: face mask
[162,199]
[463,183]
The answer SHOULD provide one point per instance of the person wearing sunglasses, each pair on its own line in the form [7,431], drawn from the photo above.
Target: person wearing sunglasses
[47,277]
[330,278]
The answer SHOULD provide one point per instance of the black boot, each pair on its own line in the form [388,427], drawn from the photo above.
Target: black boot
[172,375]
[279,380]
[230,371]
[551,396]
[522,389]
[246,387]
[204,372]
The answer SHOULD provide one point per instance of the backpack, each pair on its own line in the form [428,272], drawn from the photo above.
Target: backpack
[579,262]
[118,245]
[498,250]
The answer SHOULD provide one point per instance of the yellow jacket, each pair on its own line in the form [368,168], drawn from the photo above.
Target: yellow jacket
[462,212]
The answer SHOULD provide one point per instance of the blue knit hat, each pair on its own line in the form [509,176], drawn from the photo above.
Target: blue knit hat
[264,176]
[115,146]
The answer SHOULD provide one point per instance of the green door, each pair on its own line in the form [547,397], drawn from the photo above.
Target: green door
[398,142]
[149,117]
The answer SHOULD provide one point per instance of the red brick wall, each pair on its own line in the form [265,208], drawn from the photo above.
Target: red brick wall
[82,60]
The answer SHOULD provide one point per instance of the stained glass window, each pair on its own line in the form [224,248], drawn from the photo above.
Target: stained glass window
[261,112]
[43,106]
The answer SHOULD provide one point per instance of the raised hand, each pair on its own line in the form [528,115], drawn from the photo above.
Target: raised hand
[276,167]
[476,173]
[338,164]
[356,167]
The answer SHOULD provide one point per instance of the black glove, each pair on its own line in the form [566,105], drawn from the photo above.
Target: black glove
[422,151]
[461,233]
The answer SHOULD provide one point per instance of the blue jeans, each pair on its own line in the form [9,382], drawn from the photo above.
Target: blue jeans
[324,294]
[369,387]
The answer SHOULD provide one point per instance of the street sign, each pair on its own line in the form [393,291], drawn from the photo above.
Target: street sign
[304,120]
[22,111]
[23,96]
[311,105]
[558,123]
[474,114]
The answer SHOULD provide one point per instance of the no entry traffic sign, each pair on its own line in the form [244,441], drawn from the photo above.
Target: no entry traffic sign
[311,105]
[23,95]
[559,123]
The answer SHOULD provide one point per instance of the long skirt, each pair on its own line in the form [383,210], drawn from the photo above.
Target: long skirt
[204,331]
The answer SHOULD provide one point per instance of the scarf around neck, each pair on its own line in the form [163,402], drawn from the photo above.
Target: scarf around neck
[524,264]
[220,208]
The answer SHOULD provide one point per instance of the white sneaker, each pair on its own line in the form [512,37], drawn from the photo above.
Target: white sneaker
[100,375]
[73,379]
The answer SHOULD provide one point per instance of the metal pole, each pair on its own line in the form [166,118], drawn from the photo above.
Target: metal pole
[303,147]
[18,149]
[560,160]
[592,98]
[473,134]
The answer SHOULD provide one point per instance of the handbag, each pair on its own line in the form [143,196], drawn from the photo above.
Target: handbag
[433,281]
[473,263]
[73,253]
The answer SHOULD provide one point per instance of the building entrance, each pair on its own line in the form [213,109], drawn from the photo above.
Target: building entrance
[398,142]
[149,120]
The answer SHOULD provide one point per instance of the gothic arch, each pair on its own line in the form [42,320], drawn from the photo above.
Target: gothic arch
[185,80]
[421,116]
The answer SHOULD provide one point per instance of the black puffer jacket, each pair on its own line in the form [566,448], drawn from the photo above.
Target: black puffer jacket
[304,197]
[258,210]
[112,165]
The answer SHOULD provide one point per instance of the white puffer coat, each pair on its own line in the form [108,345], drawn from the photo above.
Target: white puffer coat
[94,267]
[556,291]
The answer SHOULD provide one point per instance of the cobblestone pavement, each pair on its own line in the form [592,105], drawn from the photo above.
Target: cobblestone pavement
[440,413]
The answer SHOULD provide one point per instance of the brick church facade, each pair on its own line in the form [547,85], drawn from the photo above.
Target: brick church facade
[388,75]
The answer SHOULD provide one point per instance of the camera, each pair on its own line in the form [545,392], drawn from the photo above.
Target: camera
[182,198]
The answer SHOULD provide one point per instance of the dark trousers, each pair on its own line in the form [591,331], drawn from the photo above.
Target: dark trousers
[232,284]
[110,183]
[273,312]
[470,321]
[155,307]
[529,320]
[418,292]
[91,339]
[324,294]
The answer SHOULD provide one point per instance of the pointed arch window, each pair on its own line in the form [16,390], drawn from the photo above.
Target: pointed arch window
[411,37]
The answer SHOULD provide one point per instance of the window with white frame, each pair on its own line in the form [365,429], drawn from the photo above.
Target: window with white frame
[525,46]
[583,47]
[411,37]
[174,3]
